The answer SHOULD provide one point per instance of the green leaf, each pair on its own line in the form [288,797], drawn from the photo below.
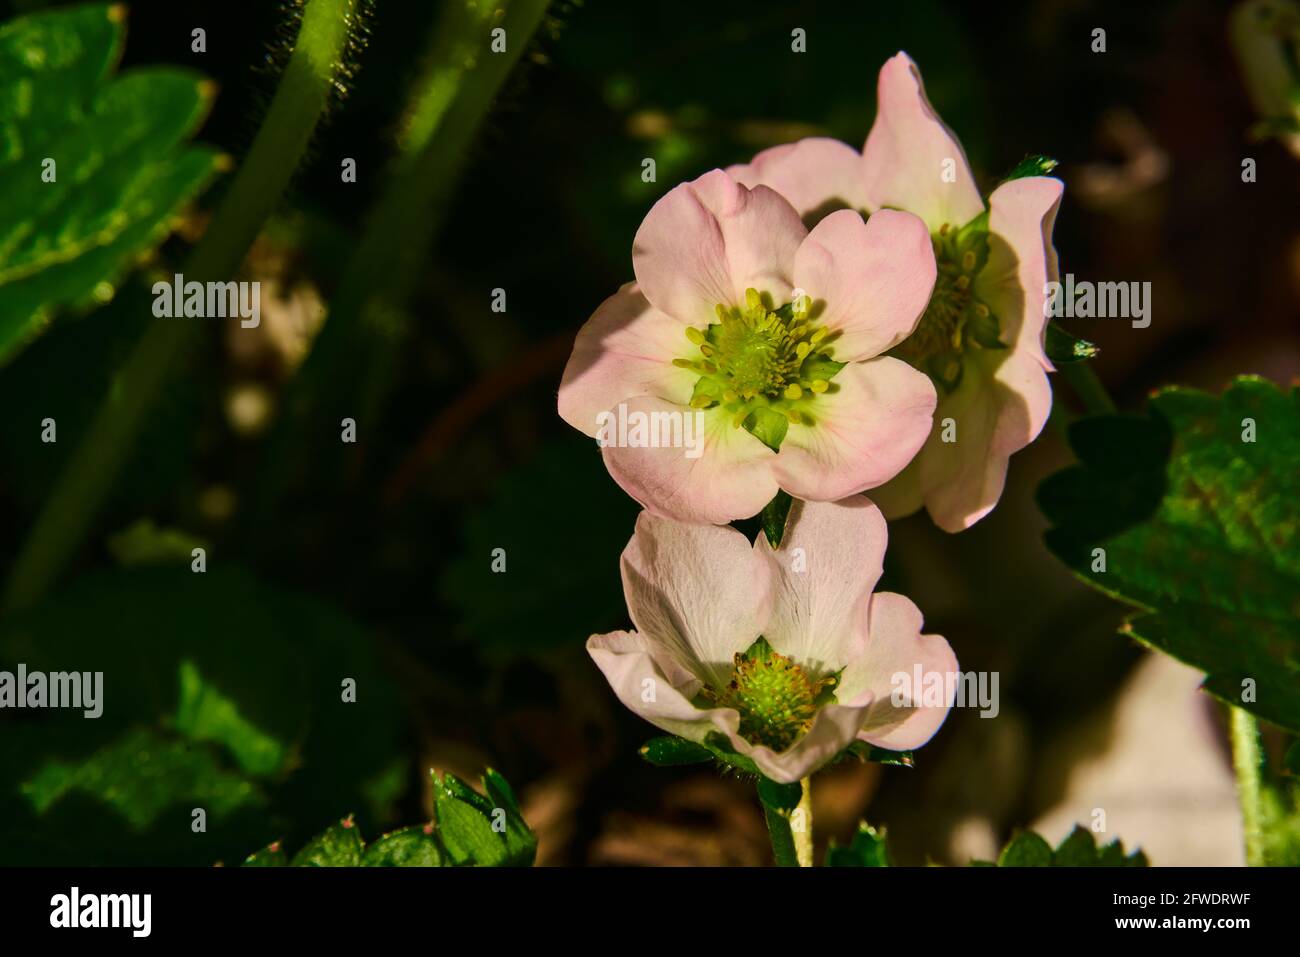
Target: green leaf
[779,797]
[768,426]
[478,831]
[539,602]
[1026,849]
[270,856]
[415,846]
[820,367]
[141,775]
[775,514]
[1077,849]
[1193,507]
[869,752]
[867,849]
[339,845]
[1033,164]
[144,543]
[120,168]
[175,650]
[205,714]
[670,750]
[1061,347]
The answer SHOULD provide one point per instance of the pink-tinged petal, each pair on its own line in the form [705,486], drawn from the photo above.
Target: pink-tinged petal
[698,592]
[893,652]
[834,729]
[996,411]
[830,559]
[650,685]
[866,429]
[626,348]
[909,150]
[1022,260]
[817,175]
[707,241]
[870,281]
[901,495]
[730,478]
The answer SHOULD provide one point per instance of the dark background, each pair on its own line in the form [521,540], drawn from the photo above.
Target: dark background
[375,561]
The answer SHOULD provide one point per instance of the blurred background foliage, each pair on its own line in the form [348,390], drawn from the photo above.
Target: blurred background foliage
[373,561]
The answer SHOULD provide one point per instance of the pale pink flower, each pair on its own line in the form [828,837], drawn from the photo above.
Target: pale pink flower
[838,663]
[981,339]
[775,335]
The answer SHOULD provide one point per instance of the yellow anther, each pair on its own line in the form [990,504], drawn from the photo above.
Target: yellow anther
[701,402]
[792,391]
[981,310]
[721,312]
[802,349]
[968,260]
[730,396]
[694,335]
[738,419]
[819,386]
[706,349]
[819,335]
[794,416]
[963,282]
[684,363]
[752,299]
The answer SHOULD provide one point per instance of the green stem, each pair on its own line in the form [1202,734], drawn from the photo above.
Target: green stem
[1089,388]
[88,478]
[790,827]
[449,101]
[1248,762]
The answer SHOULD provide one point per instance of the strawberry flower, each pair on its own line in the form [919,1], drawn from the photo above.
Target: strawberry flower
[981,337]
[785,654]
[774,335]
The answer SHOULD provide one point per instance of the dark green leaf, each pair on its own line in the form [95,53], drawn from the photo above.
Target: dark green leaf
[143,774]
[1026,849]
[478,831]
[869,752]
[1033,164]
[1061,347]
[121,170]
[338,846]
[671,750]
[775,514]
[779,797]
[1078,849]
[415,846]
[1192,512]
[868,849]
[270,856]
[538,602]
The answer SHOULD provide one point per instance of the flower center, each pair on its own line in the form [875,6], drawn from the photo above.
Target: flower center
[763,365]
[776,698]
[956,320]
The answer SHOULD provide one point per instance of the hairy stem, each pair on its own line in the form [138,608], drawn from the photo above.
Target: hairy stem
[448,102]
[1088,387]
[1248,762]
[86,481]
